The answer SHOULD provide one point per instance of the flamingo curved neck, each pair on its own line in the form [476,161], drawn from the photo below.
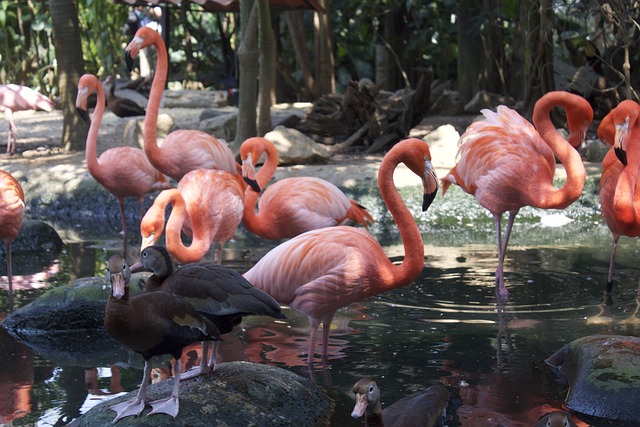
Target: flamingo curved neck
[199,245]
[413,263]
[91,150]
[155,96]
[568,156]
[253,221]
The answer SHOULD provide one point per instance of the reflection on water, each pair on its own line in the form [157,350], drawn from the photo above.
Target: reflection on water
[445,328]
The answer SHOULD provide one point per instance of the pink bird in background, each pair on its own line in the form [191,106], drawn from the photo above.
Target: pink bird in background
[123,171]
[11,217]
[207,204]
[507,164]
[322,270]
[182,150]
[20,98]
[294,205]
[619,198]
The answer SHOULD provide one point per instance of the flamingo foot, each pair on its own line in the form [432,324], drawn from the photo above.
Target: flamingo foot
[167,406]
[128,408]
[501,289]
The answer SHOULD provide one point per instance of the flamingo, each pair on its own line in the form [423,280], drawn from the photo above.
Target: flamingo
[11,217]
[122,171]
[507,164]
[208,203]
[20,98]
[291,206]
[618,195]
[322,270]
[182,150]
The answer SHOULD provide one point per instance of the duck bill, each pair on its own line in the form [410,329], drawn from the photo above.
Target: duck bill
[117,285]
[361,406]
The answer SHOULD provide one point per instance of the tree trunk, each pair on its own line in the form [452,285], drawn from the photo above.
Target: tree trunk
[248,71]
[70,64]
[298,39]
[325,61]
[469,50]
[267,48]
[536,19]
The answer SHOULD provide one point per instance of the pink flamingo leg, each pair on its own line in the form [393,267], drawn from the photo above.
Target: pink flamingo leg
[170,405]
[502,252]
[614,247]
[12,135]
[312,340]
[134,406]
[7,245]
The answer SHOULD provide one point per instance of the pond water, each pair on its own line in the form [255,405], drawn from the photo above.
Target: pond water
[445,328]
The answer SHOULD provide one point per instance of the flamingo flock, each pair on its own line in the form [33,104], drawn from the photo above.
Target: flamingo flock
[328,259]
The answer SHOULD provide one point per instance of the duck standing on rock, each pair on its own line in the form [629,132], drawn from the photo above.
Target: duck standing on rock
[219,293]
[151,324]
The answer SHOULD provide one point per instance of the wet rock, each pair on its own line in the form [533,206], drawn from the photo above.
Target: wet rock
[236,394]
[603,372]
[35,237]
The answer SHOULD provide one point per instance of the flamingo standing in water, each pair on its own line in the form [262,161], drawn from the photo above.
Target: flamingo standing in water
[507,164]
[20,98]
[291,206]
[322,270]
[11,217]
[618,195]
[182,150]
[207,203]
[123,171]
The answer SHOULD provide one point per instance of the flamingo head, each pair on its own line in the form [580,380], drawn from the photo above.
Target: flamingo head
[144,37]
[249,173]
[625,118]
[86,86]
[579,117]
[421,166]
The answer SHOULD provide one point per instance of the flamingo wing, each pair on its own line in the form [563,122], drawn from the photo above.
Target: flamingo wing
[129,173]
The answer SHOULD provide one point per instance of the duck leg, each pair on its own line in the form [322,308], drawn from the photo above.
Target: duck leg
[169,405]
[134,406]
[202,368]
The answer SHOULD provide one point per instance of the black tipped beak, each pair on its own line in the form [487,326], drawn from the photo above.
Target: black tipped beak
[253,184]
[83,114]
[427,199]
[128,60]
[621,154]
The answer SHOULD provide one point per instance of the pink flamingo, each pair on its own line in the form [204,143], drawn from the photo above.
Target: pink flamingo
[20,98]
[507,164]
[182,150]
[11,217]
[291,206]
[123,171]
[619,180]
[207,203]
[322,270]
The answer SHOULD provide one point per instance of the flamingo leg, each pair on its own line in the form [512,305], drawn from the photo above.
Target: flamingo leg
[124,221]
[614,247]
[12,135]
[9,274]
[326,328]
[499,271]
[134,406]
[169,405]
[217,255]
[312,340]
[502,252]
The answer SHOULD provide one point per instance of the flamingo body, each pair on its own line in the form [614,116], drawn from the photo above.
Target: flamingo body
[620,176]
[122,171]
[294,205]
[183,150]
[20,98]
[322,270]
[11,216]
[207,203]
[506,163]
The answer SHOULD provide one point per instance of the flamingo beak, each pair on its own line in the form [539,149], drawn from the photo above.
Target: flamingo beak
[83,114]
[430,184]
[619,143]
[249,173]
[147,241]
[131,51]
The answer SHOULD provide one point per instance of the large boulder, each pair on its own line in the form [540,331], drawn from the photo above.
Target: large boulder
[603,372]
[235,394]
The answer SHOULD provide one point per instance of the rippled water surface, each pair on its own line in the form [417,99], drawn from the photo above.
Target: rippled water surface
[445,328]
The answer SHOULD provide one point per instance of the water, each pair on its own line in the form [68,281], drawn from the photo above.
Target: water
[445,328]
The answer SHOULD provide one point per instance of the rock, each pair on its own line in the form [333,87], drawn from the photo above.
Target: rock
[134,130]
[603,372]
[484,99]
[443,144]
[236,394]
[194,99]
[294,147]
[35,236]
[222,126]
